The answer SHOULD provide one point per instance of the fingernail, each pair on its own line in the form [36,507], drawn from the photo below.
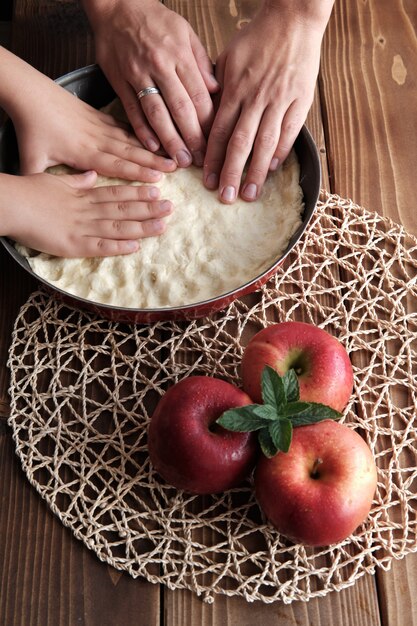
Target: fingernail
[250,191]
[170,163]
[88,173]
[198,158]
[132,245]
[157,226]
[152,145]
[274,164]
[228,193]
[154,192]
[166,206]
[212,181]
[183,158]
[155,174]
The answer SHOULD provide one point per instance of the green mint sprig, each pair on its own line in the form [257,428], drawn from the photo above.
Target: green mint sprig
[281,411]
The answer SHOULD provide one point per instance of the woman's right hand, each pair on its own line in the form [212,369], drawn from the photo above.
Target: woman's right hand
[141,43]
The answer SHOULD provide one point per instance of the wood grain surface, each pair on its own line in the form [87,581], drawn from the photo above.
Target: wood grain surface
[364,122]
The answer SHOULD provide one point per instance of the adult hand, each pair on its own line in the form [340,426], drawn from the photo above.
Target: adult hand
[140,44]
[66,216]
[268,74]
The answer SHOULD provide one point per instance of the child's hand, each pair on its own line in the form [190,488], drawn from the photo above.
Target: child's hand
[53,127]
[66,216]
[63,129]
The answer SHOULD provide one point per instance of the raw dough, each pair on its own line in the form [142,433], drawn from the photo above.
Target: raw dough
[208,249]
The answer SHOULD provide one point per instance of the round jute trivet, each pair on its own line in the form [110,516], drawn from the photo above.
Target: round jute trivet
[83,389]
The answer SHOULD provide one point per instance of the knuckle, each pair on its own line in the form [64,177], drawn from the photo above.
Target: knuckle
[173,144]
[115,191]
[122,207]
[256,173]
[181,107]
[267,140]
[131,109]
[118,165]
[154,111]
[200,98]
[290,129]
[259,94]
[240,140]
[157,60]
[128,150]
[220,133]
[193,142]
[232,176]
[117,225]
[131,66]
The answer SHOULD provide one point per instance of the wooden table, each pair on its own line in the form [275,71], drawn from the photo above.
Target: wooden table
[364,120]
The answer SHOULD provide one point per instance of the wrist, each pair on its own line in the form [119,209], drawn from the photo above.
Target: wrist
[20,86]
[8,190]
[94,9]
[315,13]
[99,10]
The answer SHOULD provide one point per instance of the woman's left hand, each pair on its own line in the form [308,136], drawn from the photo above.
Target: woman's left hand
[268,74]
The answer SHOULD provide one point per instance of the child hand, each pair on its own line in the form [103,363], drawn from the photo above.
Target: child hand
[67,216]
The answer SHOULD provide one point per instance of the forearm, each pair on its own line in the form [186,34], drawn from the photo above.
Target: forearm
[20,84]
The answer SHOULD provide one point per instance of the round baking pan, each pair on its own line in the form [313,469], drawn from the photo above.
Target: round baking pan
[90,84]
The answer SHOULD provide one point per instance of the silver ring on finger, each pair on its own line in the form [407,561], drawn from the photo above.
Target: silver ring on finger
[147,91]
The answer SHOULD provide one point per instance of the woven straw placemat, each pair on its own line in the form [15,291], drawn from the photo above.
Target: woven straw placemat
[83,389]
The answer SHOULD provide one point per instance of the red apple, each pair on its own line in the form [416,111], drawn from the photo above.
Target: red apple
[320,361]
[322,488]
[188,449]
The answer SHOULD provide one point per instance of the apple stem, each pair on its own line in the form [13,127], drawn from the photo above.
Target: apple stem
[315,470]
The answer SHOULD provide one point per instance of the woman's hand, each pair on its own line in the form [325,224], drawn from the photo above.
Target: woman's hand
[66,216]
[140,44]
[268,74]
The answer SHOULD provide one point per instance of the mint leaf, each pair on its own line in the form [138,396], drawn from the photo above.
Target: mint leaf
[294,408]
[273,391]
[315,412]
[267,445]
[281,412]
[265,411]
[291,386]
[242,419]
[281,434]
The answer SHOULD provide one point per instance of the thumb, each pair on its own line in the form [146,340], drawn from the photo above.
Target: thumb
[86,180]
[204,64]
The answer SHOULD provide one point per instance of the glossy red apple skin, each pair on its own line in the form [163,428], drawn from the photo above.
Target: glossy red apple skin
[185,446]
[322,510]
[321,362]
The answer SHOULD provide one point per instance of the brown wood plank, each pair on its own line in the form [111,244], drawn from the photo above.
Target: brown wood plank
[52,36]
[48,577]
[357,61]
[368,73]
[355,605]
[15,286]
[368,80]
